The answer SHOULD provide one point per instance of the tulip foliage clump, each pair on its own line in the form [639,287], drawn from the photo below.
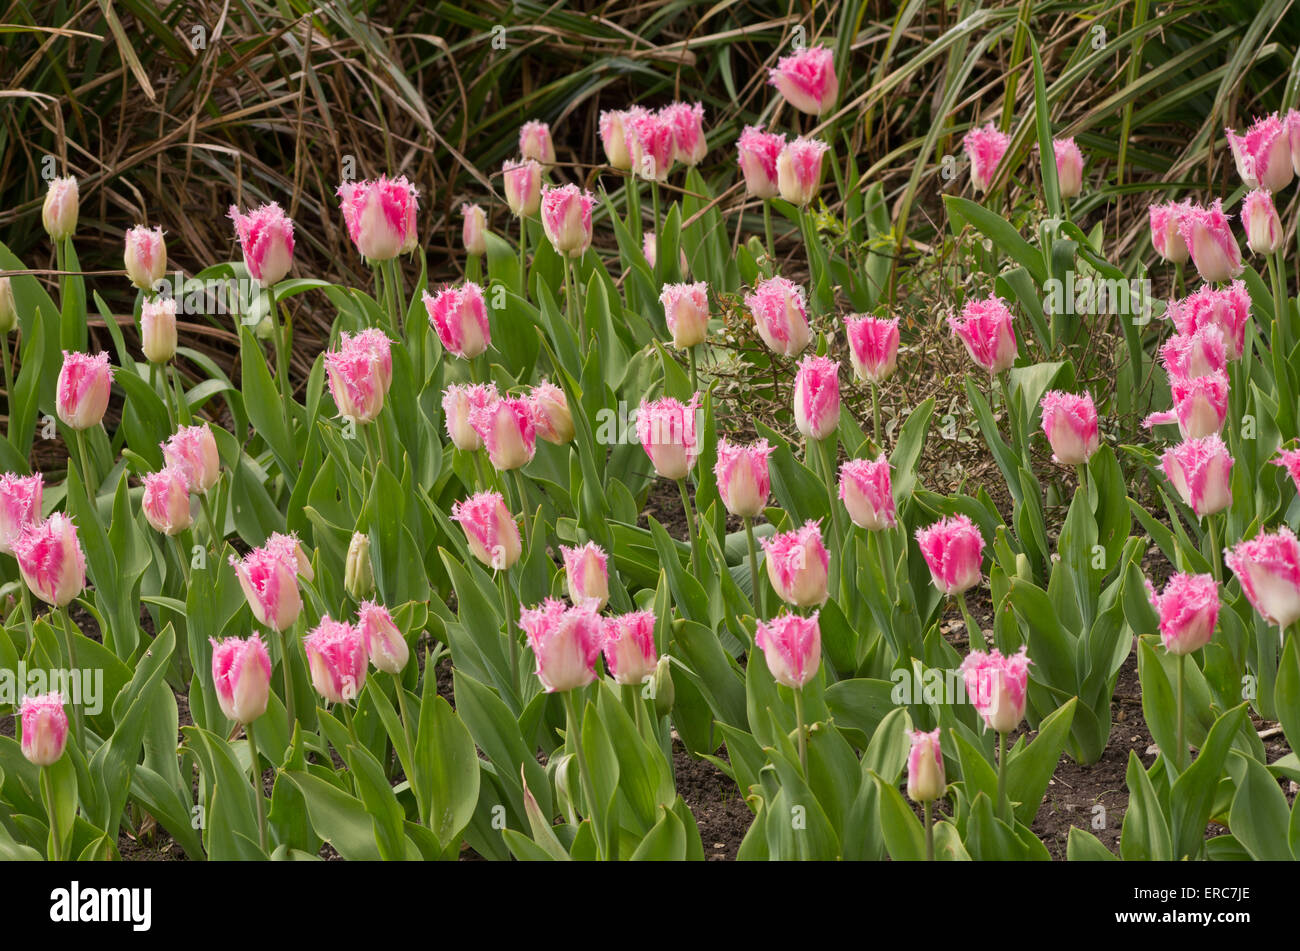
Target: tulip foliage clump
[489,572]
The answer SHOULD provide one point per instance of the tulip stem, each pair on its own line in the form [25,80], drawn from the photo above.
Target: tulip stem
[286,638]
[9,384]
[512,615]
[206,506]
[65,616]
[1215,556]
[47,796]
[166,395]
[767,230]
[86,475]
[803,738]
[875,415]
[27,612]
[972,629]
[1281,310]
[577,302]
[929,832]
[406,730]
[1003,811]
[523,508]
[523,257]
[574,732]
[1081,473]
[690,358]
[257,786]
[690,527]
[659,259]
[399,295]
[633,693]
[185,562]
[1181,750]
[281,359]
[372,454]
[1179,285]
[756,593]
[633,188]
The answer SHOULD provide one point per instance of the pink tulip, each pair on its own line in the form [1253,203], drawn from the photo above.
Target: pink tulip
[551,413]
[866,490]
[84,385]
[985,328]
[145,256]
[51,561]
[522,182]
[166,501]
[629,647]
[473,230]
[651,143]
[266,239]
[384,643]
[45,728]
[359,373]
[792,647]
[807,80]
[817,397]
[997,686]
[289,550]
[613,138]
[490,529]
[1207,232]
[952,548]
[744,482]
[1070,423]
[1165,235]
[270,585]
[925,776]
[669,435]
[650,248]
[459,315]
[984,148]
[535,143]
[1228,308]
[380,216]
[1292,122]
[1200,470]
[1200,404]
[459,401]
[241,673]
[1069,167]
[336,657]
[566,219]
[799,170]
[797,565]
[780,316]
[20,506]
[586,570]
[566,642]
[1263,154]
[59,211]
[158,330]
[1288,459]
[193,449]
[758,152]
[1259,218]
[1268,567]
[508,431]
[686,310]
[687,123]
[1199,353]
[1188,609]
[873,347]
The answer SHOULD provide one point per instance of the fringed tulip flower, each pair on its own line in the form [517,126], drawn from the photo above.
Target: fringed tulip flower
[744,481]
[799,170]
[953,551]
[686,310]
[508,431]
[20,506]
[566,642]
[289,549]
[380,215]
[1263,155]
[998,687]
[241,673]
[1268,567]
[1259,218]
[866,489]
[1200,405]
[194,450]
[1165,235]
[629,647]
[166,501]
[145,256]
[758,152]
[873,347]
[459,401]
[586,570]
[158,330]
[925,776]
[336,657]
[807,80]
[551,413]
[985,328]
[1200,470]
[51,561]
[45,728]
[566,219]
[1199,353]
[668,433]
[522,183]
[1288,459]
[798,565]
[792,648]
[817,397]
[82,392]
[780,316]
[270,585]
[459,315]
[687,123]
[266,239]
[651,143]
[613,139]
[384,643]
[1207,232]
[1188,610]
[359,374]
[59,211]
[535,143]
[473,230]
[490,529]
[1069,167]
[1070,424]
[984,148]
[1228,308]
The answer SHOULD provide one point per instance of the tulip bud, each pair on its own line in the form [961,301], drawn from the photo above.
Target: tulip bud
[266,240]
[669,435]
[925,778]
[380,215]
[758,152]
[997,686]
[742,475]
[985,328]
[20,506]
[586,570]
[535,143]
[629,646]
[522,182]
[650,248]
[1268,567]
[336,657]
[551,413]
[1263,227]
[8,307]
[780,316]
[873,347]
[1263,155]
[474,229]
[686,311]
[358,576]
[613,138]
[359,373]
[1070,424]
[158,330]
[984,148]
[1188,610]
[508,432]
[51,561]
[145,257]
[1069,167]
[952,549]
[166,501]
[45,728]
[792,647]
[798,565]
[565,641]
[817,397]
[866,490]
[458,404]
[665,693]
[270,585]
[459,315]
[385,645]
[1165,236]
[566,219]
[1200,470]
[84,385]
[490,529]
[687,123]
[194,450]
[59,213]
[807,80]
[1211,243]
[241,673]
